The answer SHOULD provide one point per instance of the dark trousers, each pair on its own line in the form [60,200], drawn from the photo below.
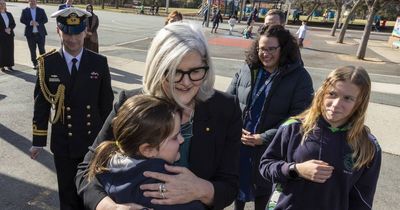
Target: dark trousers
[66,171]
[36,40]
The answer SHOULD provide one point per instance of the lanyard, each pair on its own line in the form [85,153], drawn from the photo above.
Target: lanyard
[266,86]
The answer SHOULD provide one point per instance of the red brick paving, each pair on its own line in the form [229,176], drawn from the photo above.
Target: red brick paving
[230,42]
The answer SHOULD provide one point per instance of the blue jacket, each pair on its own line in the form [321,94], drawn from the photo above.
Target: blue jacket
[347,188]
[123,185]
[41,18]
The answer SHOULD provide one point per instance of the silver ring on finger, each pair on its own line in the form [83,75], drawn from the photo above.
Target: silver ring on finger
[163,188]
[162,195]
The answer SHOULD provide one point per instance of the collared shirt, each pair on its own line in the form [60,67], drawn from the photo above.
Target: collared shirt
[5,18]
[33,13]
[68,59]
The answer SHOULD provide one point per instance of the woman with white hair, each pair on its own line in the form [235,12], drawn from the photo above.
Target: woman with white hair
[178,67]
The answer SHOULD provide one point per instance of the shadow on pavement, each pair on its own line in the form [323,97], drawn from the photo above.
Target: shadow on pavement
[2,97]
[325,51]
[23,75]
[23,144]
[18,194]
[125,77]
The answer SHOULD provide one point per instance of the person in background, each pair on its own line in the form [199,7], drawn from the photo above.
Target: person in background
[7,25]
[147,133]
[91,39]
[67,4]
[326,158]
[247,32]
[216,19]
[205,15]
[76,83]
[302,33]
[232,21]
[174,16]
[157,7]
[271,86]
[273,17]
[178,68]
[34,18]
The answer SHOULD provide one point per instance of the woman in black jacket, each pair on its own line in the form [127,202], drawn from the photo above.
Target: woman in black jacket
[271,86]
[178,68]
[7,25]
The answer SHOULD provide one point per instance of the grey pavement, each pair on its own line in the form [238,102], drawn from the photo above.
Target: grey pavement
[31,184]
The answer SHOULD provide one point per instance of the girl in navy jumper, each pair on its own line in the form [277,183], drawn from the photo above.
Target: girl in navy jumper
[326,158]
[147,132]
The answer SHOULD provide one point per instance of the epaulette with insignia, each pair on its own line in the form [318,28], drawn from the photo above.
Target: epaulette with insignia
[55,99]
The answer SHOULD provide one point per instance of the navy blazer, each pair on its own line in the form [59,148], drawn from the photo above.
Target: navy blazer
[41,18]
[213,155]
[11,25]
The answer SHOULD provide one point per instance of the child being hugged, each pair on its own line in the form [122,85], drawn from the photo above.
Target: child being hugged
[147,136]
[326,158]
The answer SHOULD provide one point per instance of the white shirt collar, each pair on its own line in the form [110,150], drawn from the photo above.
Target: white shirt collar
[68,58]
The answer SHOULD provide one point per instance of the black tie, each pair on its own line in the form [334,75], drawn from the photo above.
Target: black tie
[74,70]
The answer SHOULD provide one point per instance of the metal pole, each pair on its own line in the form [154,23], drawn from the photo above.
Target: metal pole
[208,13]
[288,13]
[166,6]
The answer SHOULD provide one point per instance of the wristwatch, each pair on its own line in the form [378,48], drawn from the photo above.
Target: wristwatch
[293,171]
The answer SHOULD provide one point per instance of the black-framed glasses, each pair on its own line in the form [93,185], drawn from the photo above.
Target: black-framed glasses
[195,74]
[269,50]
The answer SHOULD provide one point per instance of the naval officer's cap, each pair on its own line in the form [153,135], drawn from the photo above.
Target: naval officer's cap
[71,20]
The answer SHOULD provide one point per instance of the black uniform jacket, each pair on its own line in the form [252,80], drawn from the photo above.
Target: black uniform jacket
[87,104]
[213,155]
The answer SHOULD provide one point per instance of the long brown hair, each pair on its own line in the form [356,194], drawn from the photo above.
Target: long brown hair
[141,119]
[357,136]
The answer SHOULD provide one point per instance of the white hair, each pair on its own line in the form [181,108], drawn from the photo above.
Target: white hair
[171,44]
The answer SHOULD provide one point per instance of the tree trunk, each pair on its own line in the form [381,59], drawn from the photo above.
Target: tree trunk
[337,19]
[102,4]
[116,4]
[362,48]
[346,22]
[316,5]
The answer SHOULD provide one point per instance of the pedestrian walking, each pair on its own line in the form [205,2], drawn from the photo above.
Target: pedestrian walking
[301,32]
[34,18]
[326,158]
[76,83]
[232,22]
[205,15]
[217,18]
[92,40]
[147,137]
[7,25]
